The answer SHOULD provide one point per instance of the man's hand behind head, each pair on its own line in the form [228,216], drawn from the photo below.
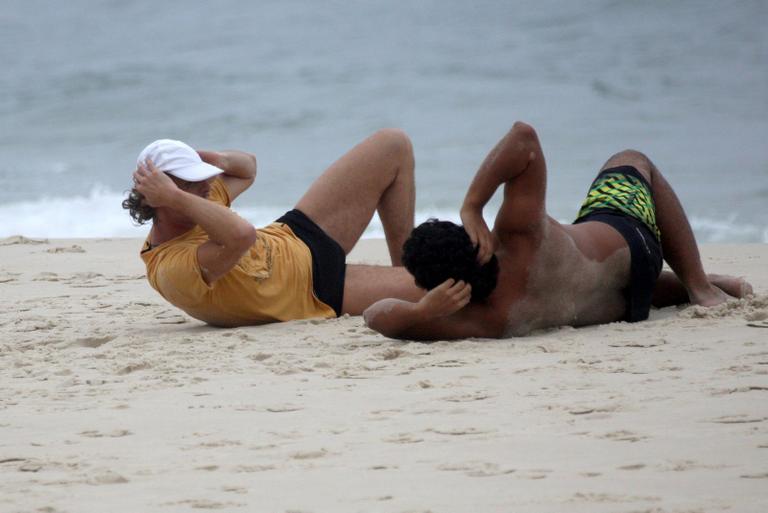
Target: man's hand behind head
[157,188]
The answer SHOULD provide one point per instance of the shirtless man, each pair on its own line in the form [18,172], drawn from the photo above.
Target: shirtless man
[605,267]
[214,265]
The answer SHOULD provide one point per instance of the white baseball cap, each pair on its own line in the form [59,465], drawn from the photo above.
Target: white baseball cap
[178,159]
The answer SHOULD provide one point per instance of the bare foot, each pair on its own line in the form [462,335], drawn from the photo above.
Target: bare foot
[710,296]
[731,285]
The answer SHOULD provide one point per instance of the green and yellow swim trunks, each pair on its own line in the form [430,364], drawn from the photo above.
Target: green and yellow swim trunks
[621,197]
[625,190]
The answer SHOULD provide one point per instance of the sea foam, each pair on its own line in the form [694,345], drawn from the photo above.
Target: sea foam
[99,214]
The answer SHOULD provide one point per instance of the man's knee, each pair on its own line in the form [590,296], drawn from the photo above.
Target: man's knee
[523,130]
[395,141]
[633,158]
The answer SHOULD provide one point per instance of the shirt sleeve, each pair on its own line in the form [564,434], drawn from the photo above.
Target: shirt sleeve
[219,193]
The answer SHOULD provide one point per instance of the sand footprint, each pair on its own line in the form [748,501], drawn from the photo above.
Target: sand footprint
[234,489]
[738,390]
[459,431]
[685,465]
[468,397]
[477,469]
[634,344]
[129,277]
[403,438]
[20,239]
[259,357]
[86,280]
[284,408]
[309,455]
[253,468]
[107,477]
[534,473]
[392,353]
[737,419]
[623,436]
[449,363]
[762,475]
[590,410]
[204,504]
[634,466]
[171,318]
[8,277]
[132,367]
[74,248]
[26,464]
[92,342]
[117,433]
[35,323]
[611,498]
[46,276]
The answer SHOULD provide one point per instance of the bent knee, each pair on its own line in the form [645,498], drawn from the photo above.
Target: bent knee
[524,130]
[395,140]
[633,158]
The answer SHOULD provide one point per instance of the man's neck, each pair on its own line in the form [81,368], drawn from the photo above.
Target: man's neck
[167,227]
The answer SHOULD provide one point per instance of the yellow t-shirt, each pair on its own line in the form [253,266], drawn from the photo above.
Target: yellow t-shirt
[271,282]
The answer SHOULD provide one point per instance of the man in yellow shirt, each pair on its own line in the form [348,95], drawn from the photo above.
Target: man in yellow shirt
[214,265]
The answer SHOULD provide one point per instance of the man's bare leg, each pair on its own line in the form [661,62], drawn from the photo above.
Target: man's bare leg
[366,284]
[377,174]
[677,240]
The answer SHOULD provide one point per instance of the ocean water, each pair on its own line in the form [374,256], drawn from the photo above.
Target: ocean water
[85,85]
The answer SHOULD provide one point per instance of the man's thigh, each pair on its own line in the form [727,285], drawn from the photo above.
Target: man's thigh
[366,284]
[343,199]
[632,158]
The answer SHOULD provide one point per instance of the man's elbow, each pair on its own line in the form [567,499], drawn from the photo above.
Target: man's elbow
[245,237]
[523,131]
[252,165]
[371,318]
[375,318]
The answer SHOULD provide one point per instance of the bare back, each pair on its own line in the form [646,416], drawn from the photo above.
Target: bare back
[573,276]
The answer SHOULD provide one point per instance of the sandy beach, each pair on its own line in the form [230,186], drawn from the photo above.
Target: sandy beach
[112,400]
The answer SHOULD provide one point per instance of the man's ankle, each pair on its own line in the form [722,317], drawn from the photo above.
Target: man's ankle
[708,295]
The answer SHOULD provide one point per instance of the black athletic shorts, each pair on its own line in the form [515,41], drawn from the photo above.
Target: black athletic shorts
[644,245]
[328,259]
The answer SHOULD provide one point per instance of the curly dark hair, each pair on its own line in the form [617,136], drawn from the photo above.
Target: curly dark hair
[137,208]
[438,250]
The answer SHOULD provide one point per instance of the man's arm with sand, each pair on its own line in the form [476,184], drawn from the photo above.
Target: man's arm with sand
[442,314]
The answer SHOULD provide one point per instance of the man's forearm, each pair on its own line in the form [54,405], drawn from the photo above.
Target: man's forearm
[508,159]
[238,164]
[221,224]
[396,318]
[392,317]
